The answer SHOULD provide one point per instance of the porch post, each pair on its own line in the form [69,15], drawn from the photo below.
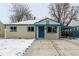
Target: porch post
[35,32]
[69,32]
[59,31]
[5,33]
[73,33]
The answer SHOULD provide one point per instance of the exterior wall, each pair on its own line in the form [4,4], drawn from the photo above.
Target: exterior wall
[1,29]
[51,36]
[22,32]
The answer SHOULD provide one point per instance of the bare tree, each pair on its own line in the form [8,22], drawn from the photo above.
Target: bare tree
[19,12]
[63,12]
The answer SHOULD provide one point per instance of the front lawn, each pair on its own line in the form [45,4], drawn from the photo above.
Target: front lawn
[14,47]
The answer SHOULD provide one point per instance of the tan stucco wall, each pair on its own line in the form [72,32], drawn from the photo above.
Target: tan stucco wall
[22,32]
[51,36]
[1,29]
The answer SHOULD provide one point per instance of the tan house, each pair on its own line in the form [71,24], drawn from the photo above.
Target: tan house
[1,29]
[44,29]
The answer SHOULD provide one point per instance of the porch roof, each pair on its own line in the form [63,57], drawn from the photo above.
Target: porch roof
[25,22]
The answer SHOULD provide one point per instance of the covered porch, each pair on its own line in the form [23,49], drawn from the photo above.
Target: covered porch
[47,29]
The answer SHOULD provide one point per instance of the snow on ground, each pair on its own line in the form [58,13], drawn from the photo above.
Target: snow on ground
[14,47]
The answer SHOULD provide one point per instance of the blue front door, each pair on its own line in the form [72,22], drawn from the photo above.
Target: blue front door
[41,31]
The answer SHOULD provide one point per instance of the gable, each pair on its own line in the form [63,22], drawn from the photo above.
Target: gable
[46,21]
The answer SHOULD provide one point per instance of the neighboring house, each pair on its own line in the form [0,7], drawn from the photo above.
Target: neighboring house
[1,29]
[74,23]
[72,30]
[39,29]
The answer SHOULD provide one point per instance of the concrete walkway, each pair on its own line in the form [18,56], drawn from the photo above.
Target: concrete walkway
[53,48]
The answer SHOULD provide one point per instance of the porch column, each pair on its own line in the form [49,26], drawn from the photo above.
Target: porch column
[59,32]
[69,32]
[35,32]
[5,33]
[73,33]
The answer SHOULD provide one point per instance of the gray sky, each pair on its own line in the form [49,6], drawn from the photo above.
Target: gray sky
[37,9]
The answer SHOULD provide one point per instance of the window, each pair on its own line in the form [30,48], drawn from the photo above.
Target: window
[31,28]
[52,29]
[13,29]
[49,29]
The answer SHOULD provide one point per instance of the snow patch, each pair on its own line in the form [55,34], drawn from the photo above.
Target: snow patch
[14,47]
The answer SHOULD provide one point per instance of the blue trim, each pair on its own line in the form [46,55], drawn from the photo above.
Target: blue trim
[48,24]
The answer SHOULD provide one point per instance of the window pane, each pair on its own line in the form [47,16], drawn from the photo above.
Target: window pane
[28,28]
[49,29]
[13,29]
[54,29]
[32,28]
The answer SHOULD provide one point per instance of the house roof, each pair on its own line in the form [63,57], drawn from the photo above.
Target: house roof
[34,21]
[26,22]
[74,23]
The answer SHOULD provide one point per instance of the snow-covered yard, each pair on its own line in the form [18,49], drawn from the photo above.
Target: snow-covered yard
[14,47]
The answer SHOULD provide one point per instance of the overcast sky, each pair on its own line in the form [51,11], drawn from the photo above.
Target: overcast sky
[37,9]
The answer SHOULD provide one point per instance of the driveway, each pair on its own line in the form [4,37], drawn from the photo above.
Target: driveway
[53,48]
